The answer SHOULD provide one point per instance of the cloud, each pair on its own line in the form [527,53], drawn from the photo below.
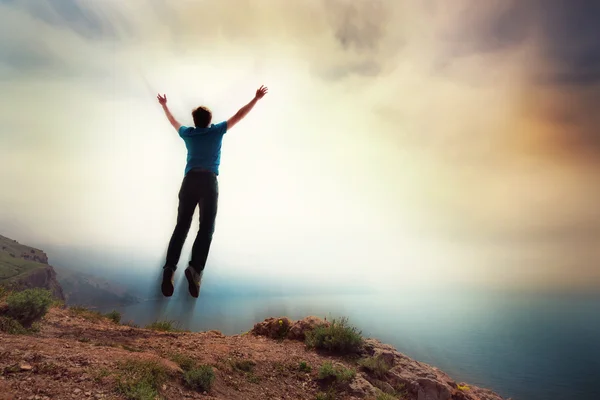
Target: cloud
[410,121]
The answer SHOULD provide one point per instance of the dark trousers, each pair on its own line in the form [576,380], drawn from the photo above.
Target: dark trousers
[199,188]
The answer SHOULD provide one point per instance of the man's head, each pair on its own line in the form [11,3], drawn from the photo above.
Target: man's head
[202,117]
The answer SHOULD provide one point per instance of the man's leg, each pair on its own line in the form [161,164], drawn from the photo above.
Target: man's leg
[209,197]
[188,201]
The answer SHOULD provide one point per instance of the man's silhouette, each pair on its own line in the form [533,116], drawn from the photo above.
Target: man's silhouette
[199,188]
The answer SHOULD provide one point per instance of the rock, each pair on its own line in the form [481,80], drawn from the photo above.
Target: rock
[274,328]
[25,366]
[300,327]
[77,391]
[386,356]
[361,387]
[429,389]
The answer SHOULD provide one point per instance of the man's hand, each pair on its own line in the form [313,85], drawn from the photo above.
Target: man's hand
[163,99]
[260,93]
[163,102]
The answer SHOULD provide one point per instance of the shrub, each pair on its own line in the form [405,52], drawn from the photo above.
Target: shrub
[10,326]
[339,337]
[28,306]
[186,363]
[200,379]
[377,366]
[304,367]
[164,326]
[338,374]
[140,380]
[3,292]
[114,316]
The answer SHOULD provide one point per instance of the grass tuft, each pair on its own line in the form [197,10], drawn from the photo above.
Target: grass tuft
[186,363]
[140,380]
[339,337]
[85,313]
[337,374]
[199,379]
[304,367]
[376,366]
[164,326]
[328,395]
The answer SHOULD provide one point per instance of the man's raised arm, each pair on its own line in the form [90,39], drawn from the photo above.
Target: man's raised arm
[260,93]
[163,102]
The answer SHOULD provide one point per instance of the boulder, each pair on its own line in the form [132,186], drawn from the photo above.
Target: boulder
[274,328]
[300,327]
[361,387]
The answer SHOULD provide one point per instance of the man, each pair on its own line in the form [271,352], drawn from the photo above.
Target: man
[199,188]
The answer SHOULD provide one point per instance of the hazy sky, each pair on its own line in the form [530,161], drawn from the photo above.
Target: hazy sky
[400,142]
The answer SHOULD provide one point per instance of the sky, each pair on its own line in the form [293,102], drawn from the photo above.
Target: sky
[402,143]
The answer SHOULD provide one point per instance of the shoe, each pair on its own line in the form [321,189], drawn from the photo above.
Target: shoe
[193,278]
[167,286]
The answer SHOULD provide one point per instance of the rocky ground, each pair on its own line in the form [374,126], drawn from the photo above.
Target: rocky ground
[78,356]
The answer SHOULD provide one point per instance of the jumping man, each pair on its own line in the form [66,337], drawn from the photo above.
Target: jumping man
[199,188]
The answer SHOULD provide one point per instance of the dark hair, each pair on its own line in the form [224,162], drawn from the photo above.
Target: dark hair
[202,117]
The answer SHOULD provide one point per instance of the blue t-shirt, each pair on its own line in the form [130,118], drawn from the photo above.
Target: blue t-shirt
[203,146]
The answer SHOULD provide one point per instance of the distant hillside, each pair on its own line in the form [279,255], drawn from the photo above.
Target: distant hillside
[23,267]
[88,290]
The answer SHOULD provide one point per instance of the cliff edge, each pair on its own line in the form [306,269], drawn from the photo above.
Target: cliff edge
[82,355]
[23,267]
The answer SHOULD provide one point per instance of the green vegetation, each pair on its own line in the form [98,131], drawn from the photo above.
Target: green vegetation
[85,313]
[28,306]
[385,396]
[114,316]
[304,367]
[140,380]
[10,326]
[338,374]
[100,374]
[130,348]
[329,395]
[164,326]
[339,337]
[199,379]
[15,268]
[283,329]
[376,366]
[243,365]
[186,363]
[252,378]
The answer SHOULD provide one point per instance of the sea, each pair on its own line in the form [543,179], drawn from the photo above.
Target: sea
[542,346]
